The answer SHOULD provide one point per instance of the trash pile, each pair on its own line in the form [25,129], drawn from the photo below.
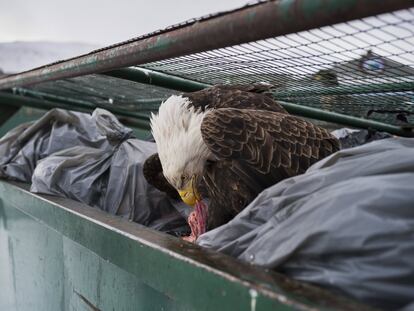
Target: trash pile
[93,159]
[346,224]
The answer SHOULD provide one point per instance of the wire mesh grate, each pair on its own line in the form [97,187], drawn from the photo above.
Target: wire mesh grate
[99,91]
[363,68]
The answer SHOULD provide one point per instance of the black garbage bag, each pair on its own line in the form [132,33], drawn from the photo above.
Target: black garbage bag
[346,224]
[93,159]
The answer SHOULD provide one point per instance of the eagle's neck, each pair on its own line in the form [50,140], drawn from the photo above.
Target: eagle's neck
[177,132]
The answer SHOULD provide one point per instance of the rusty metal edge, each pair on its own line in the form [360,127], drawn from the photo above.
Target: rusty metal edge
[252,23]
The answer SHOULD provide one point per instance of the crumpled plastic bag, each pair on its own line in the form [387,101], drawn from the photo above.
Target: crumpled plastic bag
[346,224]
[93,159]
[349,138]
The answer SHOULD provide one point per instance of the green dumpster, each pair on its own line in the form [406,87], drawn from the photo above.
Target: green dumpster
[330,61]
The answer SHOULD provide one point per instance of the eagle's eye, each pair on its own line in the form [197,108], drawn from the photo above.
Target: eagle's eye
[184,177]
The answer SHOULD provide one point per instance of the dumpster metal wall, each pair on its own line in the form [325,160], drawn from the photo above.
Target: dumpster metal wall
[48,271]
[57,254]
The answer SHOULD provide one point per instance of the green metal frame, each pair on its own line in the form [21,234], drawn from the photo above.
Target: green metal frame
[7,98]
[143,105]
[152,77]
[141,119]
[371,88]
[250,23]
[319,114]
[192,277]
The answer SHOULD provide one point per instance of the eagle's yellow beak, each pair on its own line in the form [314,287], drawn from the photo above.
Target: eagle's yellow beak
[189,195]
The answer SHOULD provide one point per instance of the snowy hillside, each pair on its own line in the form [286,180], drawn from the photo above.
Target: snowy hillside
[20,56]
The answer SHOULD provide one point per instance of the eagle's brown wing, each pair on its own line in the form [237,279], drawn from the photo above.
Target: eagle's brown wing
[152,171]
[241,97]
[266,140]
[256,149]
[262,88]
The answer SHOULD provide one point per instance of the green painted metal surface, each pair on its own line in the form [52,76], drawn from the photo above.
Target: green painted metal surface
[140,105]
[319,114]
[40,269]
[348,90]
[18,100]
[23,115]
[7,111]
[148,76]
[57,254]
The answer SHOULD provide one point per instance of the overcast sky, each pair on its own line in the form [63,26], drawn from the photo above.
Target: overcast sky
[97,21]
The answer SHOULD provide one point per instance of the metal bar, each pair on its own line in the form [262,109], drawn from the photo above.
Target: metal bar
[254,22]
[322,115]
[18,100]
[152,77]
[142,119]
[52,97]
[144,104]
[347,90]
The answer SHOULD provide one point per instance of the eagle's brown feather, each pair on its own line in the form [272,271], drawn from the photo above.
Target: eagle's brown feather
[256,149]
[226,96]
[152,171]
[266,140]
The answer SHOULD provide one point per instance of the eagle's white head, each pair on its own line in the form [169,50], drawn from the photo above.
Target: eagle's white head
[181,149]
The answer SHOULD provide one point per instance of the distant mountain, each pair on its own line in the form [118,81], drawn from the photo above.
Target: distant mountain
[21,56]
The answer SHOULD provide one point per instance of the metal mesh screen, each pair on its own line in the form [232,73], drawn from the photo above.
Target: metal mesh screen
[363,68]
[99,91]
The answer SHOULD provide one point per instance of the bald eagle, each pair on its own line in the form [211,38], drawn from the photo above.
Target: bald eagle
[227,144]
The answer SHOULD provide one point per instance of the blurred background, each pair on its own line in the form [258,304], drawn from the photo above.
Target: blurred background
[34,33]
